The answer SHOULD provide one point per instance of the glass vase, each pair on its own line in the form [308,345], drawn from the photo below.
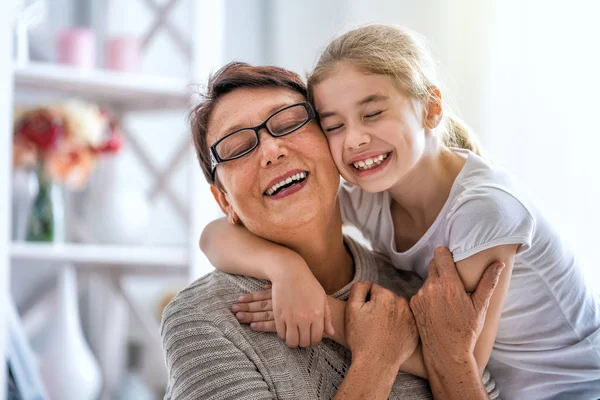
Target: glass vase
[47,217]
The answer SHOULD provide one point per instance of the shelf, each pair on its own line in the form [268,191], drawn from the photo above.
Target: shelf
[127,91]
[101,255]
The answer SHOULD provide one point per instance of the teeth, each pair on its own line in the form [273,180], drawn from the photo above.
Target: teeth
[296,177]
[370,162]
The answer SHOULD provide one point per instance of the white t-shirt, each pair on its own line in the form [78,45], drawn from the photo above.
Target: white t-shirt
[548,341]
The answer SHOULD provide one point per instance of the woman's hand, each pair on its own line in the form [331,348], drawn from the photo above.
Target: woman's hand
[449,319]
[379,325]
[295,307]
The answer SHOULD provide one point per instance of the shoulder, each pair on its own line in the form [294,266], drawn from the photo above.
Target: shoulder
[206,302]
[487,202]
[487,209]
[483,187]
[206,352]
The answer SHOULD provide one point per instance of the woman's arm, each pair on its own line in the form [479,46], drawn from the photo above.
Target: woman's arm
[375,319]
[450,322]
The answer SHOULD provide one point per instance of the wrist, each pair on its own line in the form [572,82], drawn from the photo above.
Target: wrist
[443,379]
[443,363]
[369,360]
[283,264]
[376,359]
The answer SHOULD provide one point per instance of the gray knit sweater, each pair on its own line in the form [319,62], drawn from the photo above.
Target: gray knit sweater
[210,355]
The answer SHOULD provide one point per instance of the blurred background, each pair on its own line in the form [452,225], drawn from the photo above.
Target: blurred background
[101,197]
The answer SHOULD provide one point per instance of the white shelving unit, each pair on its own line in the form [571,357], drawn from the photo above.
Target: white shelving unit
[5,171]
[109,255]
[123,93]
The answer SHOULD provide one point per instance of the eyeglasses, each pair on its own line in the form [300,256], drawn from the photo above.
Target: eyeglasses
[242,142]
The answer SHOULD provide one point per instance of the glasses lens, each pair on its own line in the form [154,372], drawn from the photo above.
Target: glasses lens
[288,120]
[237,144]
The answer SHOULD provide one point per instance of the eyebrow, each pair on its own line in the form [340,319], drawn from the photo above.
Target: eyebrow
[373,98]
[270,112]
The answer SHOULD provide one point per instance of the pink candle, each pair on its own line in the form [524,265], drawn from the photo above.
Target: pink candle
[123,53]
[77,47]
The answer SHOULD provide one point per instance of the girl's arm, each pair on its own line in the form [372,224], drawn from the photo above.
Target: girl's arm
[235,250]
[470,270]
[300,307]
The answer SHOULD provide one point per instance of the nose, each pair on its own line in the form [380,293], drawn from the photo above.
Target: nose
[272,149]
[356,137]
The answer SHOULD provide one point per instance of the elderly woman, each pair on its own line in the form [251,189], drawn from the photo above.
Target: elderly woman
[253,130]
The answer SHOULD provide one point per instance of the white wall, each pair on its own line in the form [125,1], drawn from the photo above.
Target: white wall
[246,29]
[522,73]
[542,111]
[455,30]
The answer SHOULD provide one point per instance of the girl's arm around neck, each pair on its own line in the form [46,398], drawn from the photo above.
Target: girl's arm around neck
[235,250]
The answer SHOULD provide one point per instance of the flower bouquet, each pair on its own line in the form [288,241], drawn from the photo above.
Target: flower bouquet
[62,143]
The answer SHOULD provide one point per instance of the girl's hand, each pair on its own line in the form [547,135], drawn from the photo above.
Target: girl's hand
[257,311]
[297,309]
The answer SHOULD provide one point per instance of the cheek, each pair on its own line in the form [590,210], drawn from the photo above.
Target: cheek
[336,148]
[399,134]
[239,179]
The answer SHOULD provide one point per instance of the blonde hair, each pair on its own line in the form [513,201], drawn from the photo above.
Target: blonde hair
[398,53]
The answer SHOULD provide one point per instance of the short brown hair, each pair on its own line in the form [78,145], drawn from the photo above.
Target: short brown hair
[233,76]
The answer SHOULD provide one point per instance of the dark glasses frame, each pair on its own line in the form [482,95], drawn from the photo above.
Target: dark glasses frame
[215,159]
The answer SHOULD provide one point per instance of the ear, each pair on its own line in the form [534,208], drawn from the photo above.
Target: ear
[224,204]
[433,109]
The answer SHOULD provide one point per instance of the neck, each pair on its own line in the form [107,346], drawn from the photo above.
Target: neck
[422,193]
[321,244]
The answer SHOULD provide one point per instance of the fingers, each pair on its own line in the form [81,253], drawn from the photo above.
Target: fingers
[316,334]
[328,320]
[304,333]
[432,270]
[381,295]
[256,296]
[445,266]
[265,326]
[414,307]
[292,337]
[358,294]
[248,317]
[280,329]
[416,302]
[485,288]
[255,306]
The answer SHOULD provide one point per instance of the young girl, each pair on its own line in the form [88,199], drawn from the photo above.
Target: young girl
[415,181]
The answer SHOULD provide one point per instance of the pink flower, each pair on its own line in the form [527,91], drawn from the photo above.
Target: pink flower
[70,164]
[114,142]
